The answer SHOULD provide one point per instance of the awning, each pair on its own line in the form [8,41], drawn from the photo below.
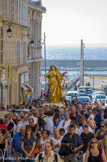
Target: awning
[24,87]
[27,85]
[27,88]
[4,82]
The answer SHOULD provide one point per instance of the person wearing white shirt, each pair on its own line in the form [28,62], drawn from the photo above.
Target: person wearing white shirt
[84,122]
[19,124]
[65,123]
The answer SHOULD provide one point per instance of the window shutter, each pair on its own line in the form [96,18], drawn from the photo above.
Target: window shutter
[12,9]
[8,11]
[0,6]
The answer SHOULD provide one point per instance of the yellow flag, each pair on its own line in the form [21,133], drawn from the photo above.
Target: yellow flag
[8,71]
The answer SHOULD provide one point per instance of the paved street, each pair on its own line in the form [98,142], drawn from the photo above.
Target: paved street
[96,82]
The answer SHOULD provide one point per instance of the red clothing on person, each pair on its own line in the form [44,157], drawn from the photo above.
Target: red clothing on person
[3,126]
[44,94]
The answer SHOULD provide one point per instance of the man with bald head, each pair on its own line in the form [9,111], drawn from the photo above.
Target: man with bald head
[66,122]
[19,124]
[61,113]
[16,144]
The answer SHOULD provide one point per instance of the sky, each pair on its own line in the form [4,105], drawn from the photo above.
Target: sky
[68,21]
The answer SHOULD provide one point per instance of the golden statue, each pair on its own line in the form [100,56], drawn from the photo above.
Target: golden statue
[54,84]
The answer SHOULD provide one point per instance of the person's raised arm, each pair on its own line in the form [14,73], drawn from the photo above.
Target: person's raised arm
[97,133]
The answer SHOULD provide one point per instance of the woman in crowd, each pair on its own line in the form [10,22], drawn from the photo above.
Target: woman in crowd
[100,134]
[9,124]
[3,125]
[3,143]
[45,137]
[56,140]
[14,116]
[56,120]
[85,122]
[28,145]
[62,132]
[95,153]
[92,123]
[104,142]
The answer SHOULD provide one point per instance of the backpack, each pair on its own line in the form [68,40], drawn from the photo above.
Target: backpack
[55,156]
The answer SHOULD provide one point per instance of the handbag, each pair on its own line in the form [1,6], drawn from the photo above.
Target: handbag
[37,151]
[101,157]
[64,150]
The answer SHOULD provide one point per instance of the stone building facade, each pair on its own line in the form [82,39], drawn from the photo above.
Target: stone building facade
[20,65]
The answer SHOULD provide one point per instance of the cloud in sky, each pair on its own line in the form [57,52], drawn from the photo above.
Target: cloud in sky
[69,21]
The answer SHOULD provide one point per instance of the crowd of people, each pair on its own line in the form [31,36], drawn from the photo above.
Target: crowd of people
[75,132]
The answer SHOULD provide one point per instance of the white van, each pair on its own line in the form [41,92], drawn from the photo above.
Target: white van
[70,95]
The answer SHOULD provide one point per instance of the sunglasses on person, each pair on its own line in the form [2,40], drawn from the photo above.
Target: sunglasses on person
[102,126]
[93,142]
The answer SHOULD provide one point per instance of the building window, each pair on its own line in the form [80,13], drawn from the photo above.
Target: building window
[12,9]
[0,6]
[1,45]
[5,4]
[8,9]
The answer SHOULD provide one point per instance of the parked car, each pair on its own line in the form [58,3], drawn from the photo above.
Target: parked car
[84,98]
[97,93]
[85,87]
[100,97]
[89,93]
[82,92]
[106,103]
[70,95]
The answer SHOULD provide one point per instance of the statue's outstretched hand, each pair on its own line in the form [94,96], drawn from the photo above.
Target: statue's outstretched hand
[65,72]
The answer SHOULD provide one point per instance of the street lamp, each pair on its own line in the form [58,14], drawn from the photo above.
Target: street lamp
[32,43]
[9,32]
[82,64]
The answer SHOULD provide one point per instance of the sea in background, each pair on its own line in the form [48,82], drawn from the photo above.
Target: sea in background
[73,53]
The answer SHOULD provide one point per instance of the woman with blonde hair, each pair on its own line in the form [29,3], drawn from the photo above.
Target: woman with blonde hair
[95,153]
[56,140]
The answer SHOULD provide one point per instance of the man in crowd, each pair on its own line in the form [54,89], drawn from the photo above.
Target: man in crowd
[48,155]
[72,139]
[31,123]
[86,136]
[66,122]
[61,113]
[19,124]
[16,144]
[97,117]
[74,115]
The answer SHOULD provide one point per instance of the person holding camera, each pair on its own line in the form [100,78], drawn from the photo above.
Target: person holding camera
[73,142]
